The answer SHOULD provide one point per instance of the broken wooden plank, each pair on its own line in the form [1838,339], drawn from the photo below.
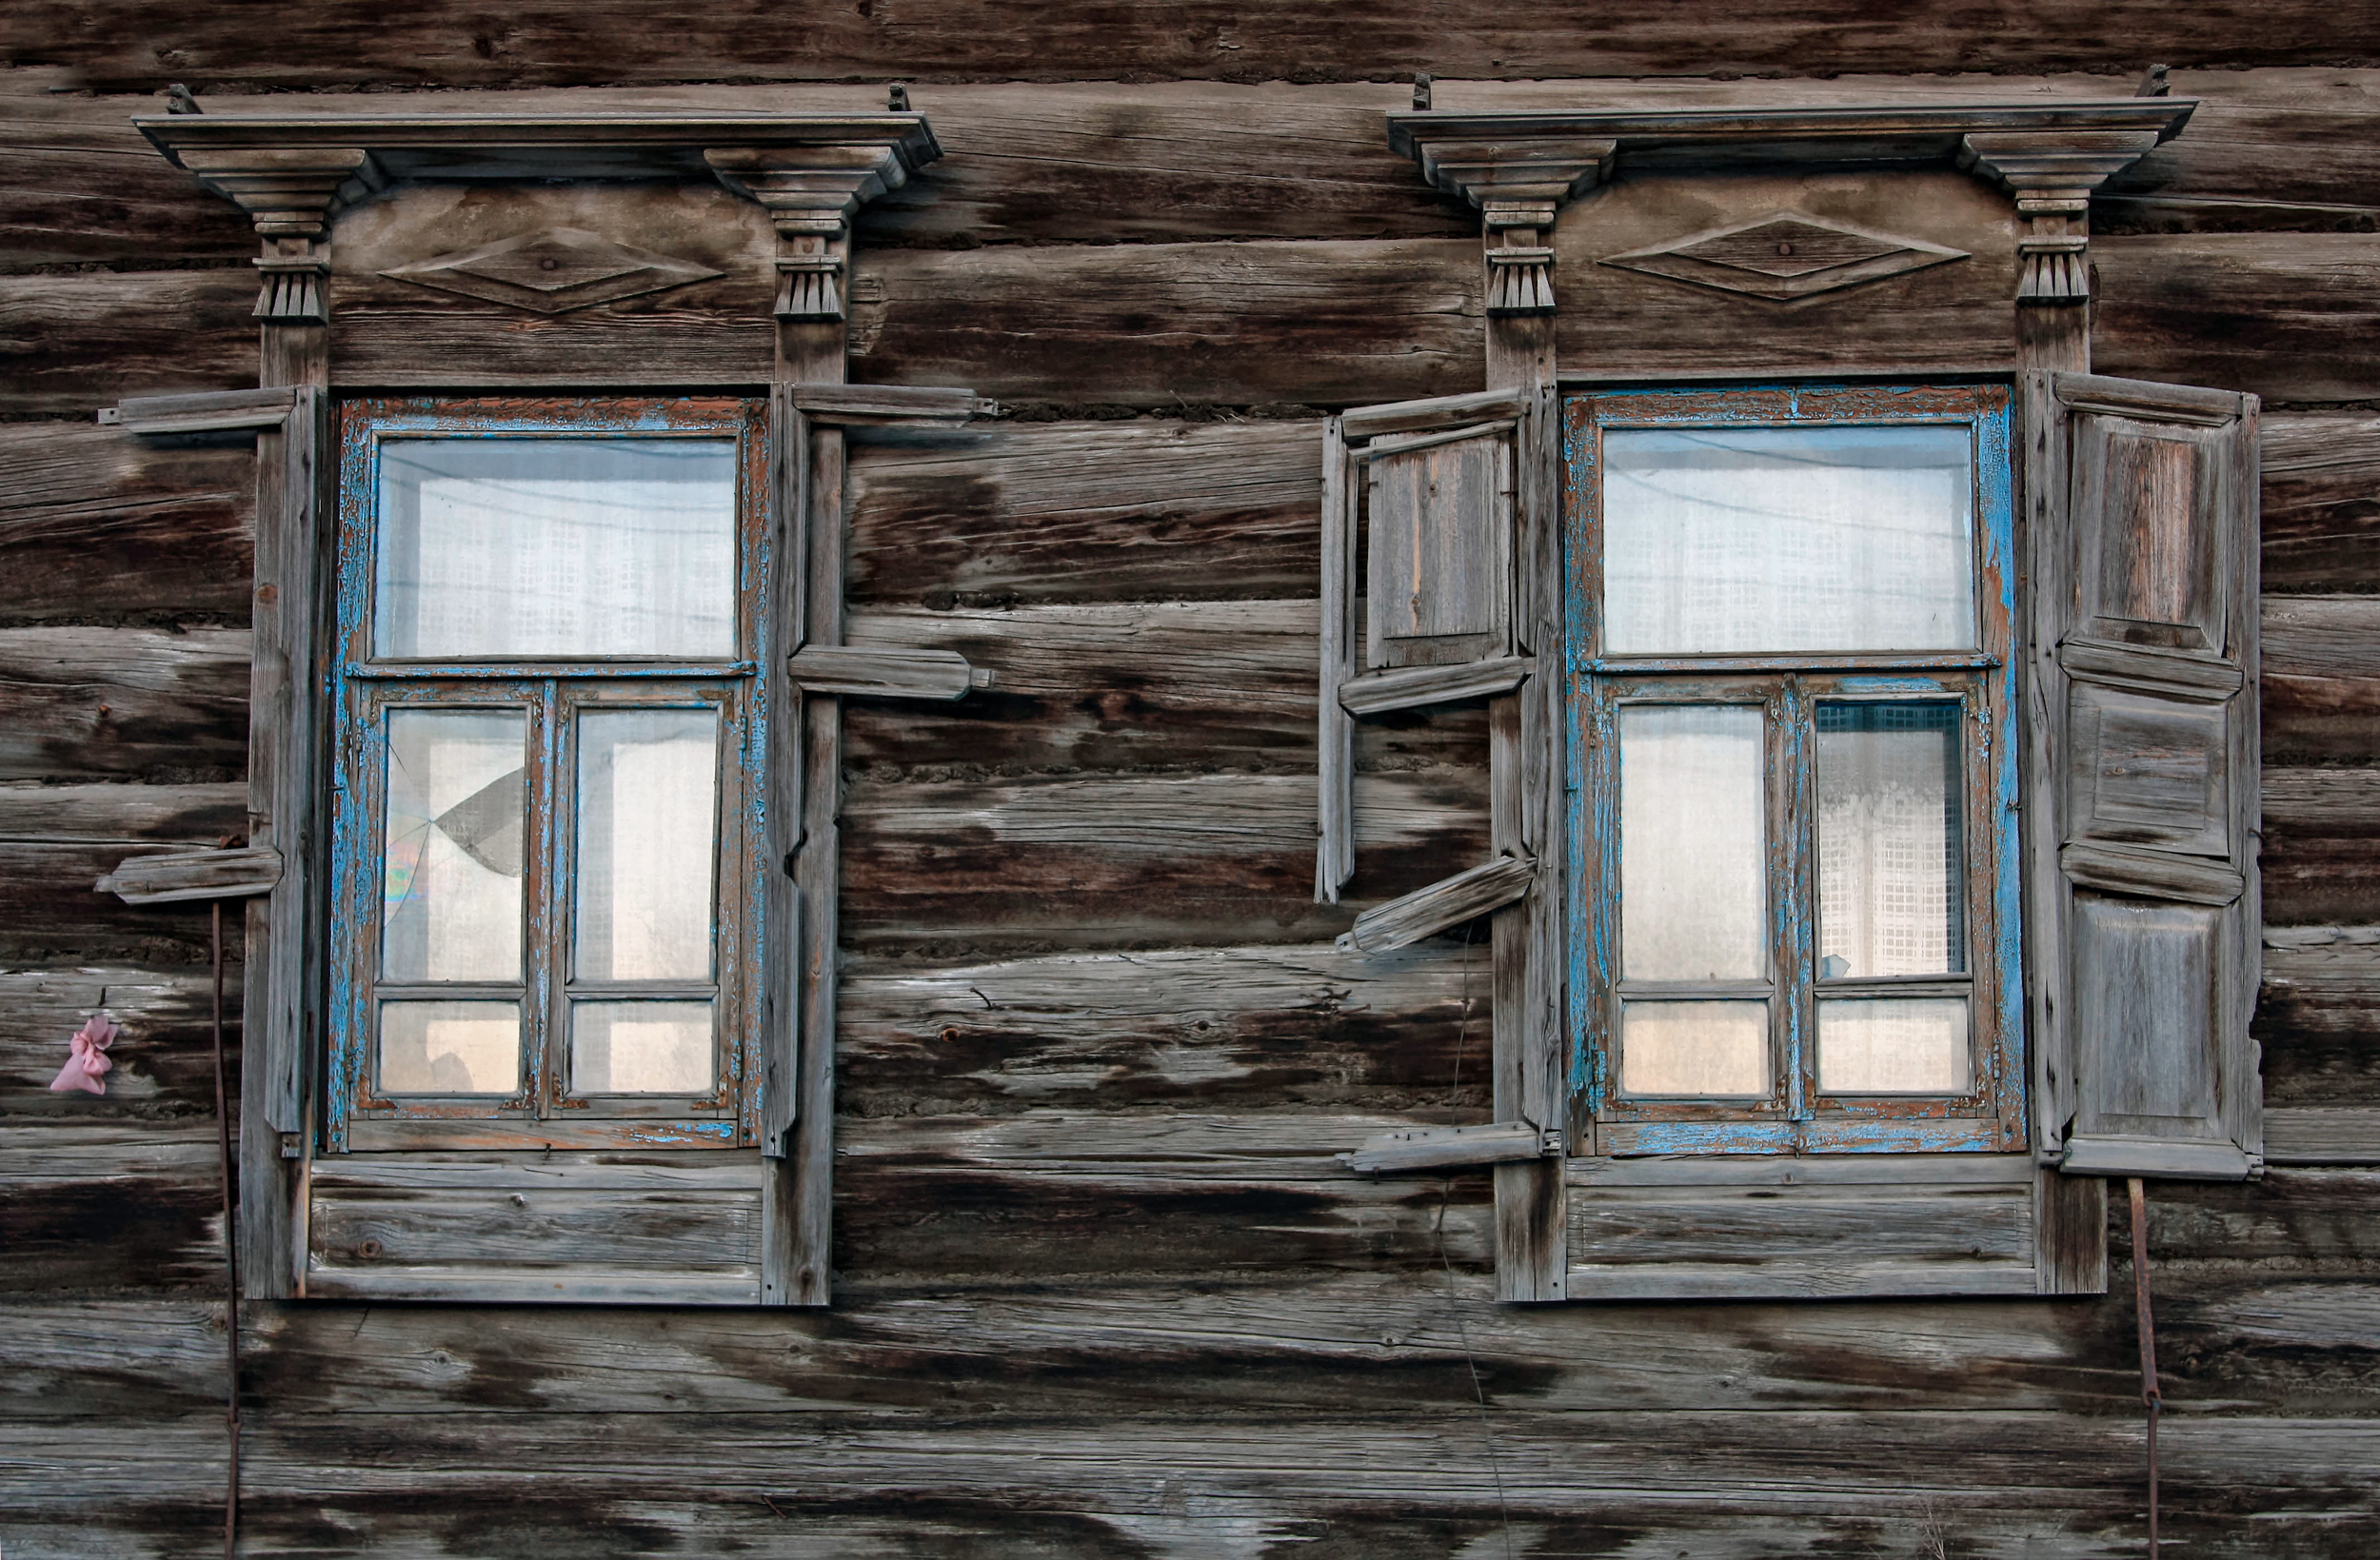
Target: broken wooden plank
[195,875]
[205,411]
[844,405]
[1445,1148]
[886,672]
[1411,687]
[1448,902]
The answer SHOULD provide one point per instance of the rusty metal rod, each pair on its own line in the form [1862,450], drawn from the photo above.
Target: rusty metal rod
[232,1267]
[2150,1395]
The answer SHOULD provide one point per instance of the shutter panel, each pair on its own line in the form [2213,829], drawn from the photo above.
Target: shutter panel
[2142,750]
[1439,524]
[1424,492]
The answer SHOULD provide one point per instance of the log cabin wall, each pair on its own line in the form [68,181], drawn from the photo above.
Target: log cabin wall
[1101,1288]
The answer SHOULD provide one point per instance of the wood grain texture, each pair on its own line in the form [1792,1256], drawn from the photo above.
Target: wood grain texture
[109,1207]
[1358,1343]
[163,1060]
[1242,324]
[2318,1022]
[455,46]
[1161,686]
[2323,1134]
[1157,324]
[55,843]
[1235,1195]
[2280,315]
[2321,502]
[1100,1290]
[1148,510]
[1425,1484]
[1134,861]
[99,528]
[1644,1231]
[69,345]
[1160,161]
[2321,858]
[1290,1025]
[88,704]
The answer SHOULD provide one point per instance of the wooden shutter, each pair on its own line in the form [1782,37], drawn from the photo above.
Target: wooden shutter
[2140,768]
[1450,507]
[1424,491]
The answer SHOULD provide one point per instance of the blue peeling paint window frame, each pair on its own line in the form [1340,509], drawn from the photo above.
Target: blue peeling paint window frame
[552,694]
[1794,1116]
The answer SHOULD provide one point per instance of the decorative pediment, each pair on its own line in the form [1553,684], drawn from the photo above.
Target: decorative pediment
[1785,255]
[553,271]
[1520,166]
[292,174]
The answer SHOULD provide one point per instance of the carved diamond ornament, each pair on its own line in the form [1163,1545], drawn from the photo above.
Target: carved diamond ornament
[1784,256]
[553,271]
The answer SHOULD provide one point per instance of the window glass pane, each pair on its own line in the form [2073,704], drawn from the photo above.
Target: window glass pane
[646,826]
[632,1048]
[1892,882]
[1692,888]
[556,547]
[1907,1045]
[1698,1049]
[451,850]
[450,1048]
[1749,540]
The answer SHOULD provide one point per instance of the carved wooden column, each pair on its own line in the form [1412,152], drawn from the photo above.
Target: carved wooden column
[292,196]
[1519,186]
[810,194]
[2051,174]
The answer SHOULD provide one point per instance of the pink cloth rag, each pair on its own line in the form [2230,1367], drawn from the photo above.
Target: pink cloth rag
[88,1058]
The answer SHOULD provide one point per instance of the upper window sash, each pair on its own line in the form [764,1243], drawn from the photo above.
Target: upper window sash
[1980,412]
[600,614]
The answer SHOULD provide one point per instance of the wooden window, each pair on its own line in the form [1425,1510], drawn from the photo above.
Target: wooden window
[545,895]
[1793,718]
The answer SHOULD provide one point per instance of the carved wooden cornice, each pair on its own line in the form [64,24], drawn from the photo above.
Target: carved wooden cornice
[1520,166]
[292,174]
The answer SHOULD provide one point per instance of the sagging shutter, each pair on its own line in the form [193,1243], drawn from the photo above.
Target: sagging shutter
[798,1100]
[2141,768]
[1425,490]
[1449,506]
[277,875]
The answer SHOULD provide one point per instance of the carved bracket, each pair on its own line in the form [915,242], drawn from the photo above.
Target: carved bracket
[290,195]
[810,194]
[1520,186]
[2051,174]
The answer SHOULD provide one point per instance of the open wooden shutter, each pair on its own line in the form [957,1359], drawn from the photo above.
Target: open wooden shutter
[2141,768]
[1450,507]
[1426,487]
[277,876]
